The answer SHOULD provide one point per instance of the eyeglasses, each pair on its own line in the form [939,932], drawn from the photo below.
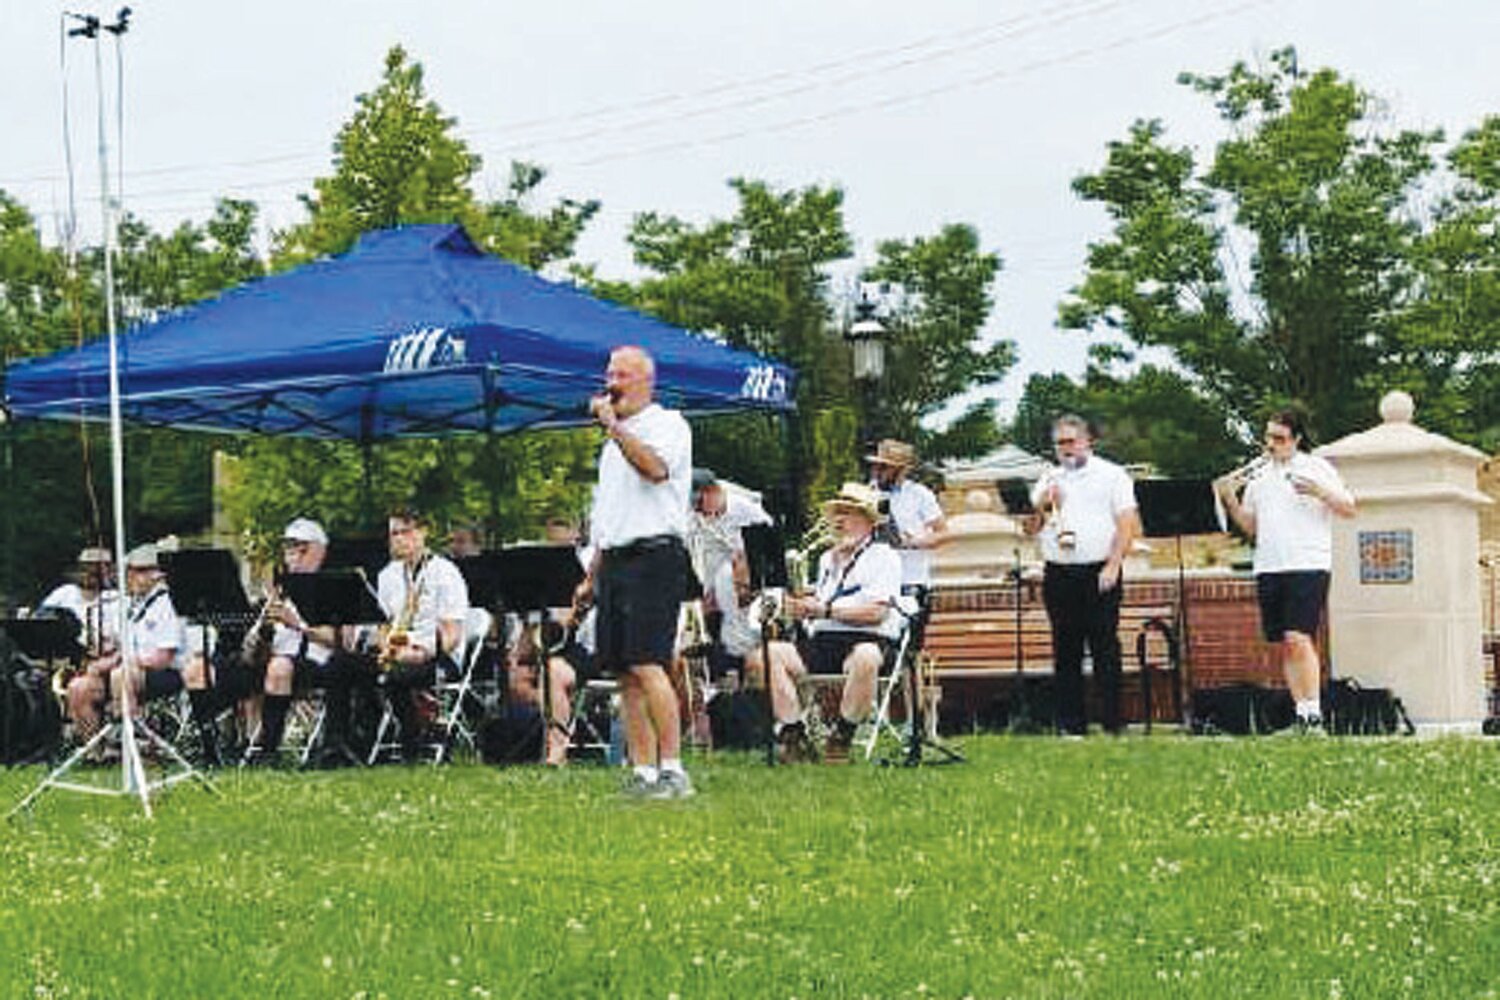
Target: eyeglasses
[1063,442]
[1273,437]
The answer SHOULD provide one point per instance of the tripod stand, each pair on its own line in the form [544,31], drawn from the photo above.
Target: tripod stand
[907,674]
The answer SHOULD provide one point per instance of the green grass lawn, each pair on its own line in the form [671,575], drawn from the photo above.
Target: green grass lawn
[1136,867]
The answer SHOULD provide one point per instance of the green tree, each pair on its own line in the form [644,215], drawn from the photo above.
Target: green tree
[398,161]
[1287,270]
[760,280]
[933,340]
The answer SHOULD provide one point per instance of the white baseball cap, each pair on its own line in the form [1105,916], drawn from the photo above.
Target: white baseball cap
[305,530]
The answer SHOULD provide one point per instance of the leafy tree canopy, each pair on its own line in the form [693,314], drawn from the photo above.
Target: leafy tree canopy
[1303,263]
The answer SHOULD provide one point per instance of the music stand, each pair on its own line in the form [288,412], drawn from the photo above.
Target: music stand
[765,555]
[1016,495]
[1172,508]
[367,554]
[333,597]
[530,580]
[206,589]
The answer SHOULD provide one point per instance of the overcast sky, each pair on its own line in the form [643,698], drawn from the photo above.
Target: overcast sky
[924,113]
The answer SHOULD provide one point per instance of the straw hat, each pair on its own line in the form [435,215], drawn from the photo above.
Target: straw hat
[94,554]
[894,453]
[142,557]
[858,498]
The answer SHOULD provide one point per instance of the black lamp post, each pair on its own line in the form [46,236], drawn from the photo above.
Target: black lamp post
[866,336]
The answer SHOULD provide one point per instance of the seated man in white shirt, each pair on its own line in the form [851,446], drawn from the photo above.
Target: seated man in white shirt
[426,602]
[851,613]
[155,641]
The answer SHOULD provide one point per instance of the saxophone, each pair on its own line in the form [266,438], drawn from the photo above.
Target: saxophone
[397,635]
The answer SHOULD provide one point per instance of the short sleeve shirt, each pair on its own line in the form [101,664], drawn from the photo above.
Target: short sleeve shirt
[441,595]
[1293,532]
[874,575]
[1092,497]
[154,626]
[628,506]
[913,508]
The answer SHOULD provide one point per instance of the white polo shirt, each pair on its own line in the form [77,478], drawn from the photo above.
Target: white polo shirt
[154,626]
[1293,532]
[627,505]
[103,610]
[913,508]
[875,575]
[441,595]
[1092,497]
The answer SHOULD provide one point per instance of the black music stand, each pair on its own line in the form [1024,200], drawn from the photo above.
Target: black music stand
[50,636]
[1172,508]
[333,597]
[765,555]
[206,589]
[367,554]
[1016,495]
[530,580]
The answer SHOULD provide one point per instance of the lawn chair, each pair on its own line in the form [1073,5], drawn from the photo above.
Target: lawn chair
[446,696]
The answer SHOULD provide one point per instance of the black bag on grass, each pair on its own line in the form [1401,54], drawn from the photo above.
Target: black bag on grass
[1354,710]
[1240,710]
[514,736]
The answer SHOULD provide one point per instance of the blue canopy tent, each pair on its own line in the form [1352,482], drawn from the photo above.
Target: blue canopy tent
[414,332]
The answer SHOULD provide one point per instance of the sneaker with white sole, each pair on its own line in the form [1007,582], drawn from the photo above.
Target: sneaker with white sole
[671,785]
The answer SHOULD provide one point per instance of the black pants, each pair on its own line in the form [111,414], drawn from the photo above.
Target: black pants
[1080,614]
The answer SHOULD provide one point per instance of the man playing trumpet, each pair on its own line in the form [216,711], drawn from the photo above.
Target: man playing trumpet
[1287,509]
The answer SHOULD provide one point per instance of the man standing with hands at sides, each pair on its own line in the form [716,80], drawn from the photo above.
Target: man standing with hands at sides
[1089,523]
[1287,509]
[636,576]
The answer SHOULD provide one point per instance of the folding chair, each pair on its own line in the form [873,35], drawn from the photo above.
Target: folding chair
[453,695]
[898,667]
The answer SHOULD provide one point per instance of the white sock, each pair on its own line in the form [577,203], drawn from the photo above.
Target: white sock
[673,764]
[646,773]
[1309,708]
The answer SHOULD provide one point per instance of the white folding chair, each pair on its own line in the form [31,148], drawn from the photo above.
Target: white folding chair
[894,679]
[453,694]
[449,692]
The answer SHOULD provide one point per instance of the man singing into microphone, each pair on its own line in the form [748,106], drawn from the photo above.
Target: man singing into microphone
[636,579]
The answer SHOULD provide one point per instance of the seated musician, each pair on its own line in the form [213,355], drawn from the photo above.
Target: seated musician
[155,639]
[426,602]
[305,655]
[714,526]
[567,636]
[90,597]
[851,618]
[741,643]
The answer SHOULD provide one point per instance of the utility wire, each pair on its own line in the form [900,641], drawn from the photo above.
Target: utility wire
[897,58]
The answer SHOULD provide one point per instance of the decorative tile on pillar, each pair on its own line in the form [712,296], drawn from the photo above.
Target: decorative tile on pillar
[1385,556]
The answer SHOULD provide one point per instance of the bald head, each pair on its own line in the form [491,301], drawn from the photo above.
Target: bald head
[630,380]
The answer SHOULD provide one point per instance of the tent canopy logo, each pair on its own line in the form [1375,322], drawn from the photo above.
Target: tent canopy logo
[763,383]
[430,347]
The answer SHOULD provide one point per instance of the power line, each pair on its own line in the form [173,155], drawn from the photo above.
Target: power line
[972,38]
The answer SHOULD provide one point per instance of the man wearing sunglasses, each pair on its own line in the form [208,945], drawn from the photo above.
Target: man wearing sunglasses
[1288,507]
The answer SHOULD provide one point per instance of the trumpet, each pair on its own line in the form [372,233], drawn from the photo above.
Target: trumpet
[1249,470]
[1067,538]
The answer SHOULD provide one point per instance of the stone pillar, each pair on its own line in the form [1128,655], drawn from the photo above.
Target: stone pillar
[1404,608]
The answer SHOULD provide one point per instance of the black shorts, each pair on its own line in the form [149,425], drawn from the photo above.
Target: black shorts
[638,594]
[1291,602]
[826,652]
[161,683]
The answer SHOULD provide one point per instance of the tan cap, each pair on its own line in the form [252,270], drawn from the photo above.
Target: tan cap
[142,557]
